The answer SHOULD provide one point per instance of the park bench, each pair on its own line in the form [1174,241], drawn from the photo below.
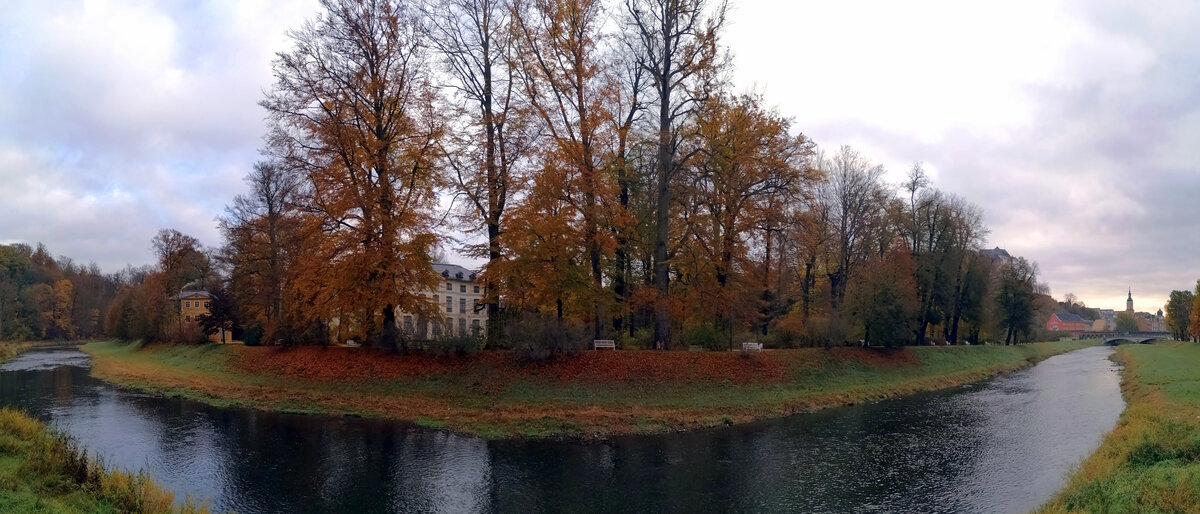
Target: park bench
[751,347]
[604,343]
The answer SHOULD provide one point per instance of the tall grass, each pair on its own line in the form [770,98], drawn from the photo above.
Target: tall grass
[1151,461]
[45,471]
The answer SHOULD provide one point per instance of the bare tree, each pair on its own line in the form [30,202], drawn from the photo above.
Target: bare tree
[675,42]
[257,229]
[477,45]
[856,198]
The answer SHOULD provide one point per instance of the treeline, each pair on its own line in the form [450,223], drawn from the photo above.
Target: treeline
[597,158]
[43,298]
[600,162]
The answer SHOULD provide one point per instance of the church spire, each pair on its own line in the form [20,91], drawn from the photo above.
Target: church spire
[1129,301]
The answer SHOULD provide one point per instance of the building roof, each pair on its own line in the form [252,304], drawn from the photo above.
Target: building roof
[1070,317]
[454,271]
[996,254]
[188,294]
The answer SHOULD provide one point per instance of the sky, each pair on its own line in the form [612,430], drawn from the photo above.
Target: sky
[1074,125]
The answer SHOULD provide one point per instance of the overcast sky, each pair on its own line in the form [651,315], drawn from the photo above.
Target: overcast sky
[1074,125]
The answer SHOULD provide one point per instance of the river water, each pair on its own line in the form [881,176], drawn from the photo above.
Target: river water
[1003,445]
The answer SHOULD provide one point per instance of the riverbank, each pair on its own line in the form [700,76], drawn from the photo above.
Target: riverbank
[42,471]
[595,395]
[1151,461]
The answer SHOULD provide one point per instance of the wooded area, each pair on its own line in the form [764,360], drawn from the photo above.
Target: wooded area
[594,153]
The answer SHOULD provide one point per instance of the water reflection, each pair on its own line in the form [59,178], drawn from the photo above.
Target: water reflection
[998,446]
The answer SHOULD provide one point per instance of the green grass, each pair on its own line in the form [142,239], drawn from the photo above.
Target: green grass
[480,397]
[43,471]
[1151,461]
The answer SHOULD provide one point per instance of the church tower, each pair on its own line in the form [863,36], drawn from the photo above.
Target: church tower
[1129,301]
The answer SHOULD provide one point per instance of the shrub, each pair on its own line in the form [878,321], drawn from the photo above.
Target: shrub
[537,337]
[188,333]
[705,336]
[444,346]
[253,336]
[643,338]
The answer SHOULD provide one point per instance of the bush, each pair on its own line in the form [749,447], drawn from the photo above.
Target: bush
[537,337]
[253,336]
[643,338]
[705,336]
[188,333]
[445,346]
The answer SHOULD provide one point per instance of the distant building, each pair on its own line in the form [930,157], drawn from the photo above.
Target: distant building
[196,303]
[996,255]
[459,300]
[1110,319]
[1146,321]
[1067,322]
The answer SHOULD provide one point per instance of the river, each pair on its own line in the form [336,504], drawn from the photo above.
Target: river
[1002,445]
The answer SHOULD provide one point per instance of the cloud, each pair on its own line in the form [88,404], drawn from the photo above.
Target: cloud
[127,117]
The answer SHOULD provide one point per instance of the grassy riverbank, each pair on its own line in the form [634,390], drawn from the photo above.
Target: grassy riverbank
[1151,461]
[42,471]
[594,395]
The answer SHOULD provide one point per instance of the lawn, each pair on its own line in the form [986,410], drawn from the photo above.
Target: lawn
[594,395]
[1151,461]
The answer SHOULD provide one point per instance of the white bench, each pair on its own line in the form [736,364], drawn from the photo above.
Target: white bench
[604,343]
[751,347]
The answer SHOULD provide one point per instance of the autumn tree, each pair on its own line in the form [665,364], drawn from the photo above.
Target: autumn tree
[749,166]
[354,111]
[565,80]
[1126,322]
[1179,307]
[675,43]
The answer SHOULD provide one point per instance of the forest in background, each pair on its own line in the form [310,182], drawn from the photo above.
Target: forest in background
[596,157]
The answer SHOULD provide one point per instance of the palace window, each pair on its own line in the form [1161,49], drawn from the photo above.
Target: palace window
[449,304]
[462,288]
[462,305]
[462,326]
[408,325]
[476,289]
[449,287]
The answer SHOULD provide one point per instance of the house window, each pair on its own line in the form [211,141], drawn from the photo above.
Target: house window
[449,287]
[462,305]
[187,304]
[476,289]
[187,318]
[475,326]
[207,304]
[462,288]
[462,326]
[449,304]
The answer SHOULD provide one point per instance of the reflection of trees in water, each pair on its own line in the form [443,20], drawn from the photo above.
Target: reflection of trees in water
[63,385]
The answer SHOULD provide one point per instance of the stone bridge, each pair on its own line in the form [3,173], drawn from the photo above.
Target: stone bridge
[1114,338]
